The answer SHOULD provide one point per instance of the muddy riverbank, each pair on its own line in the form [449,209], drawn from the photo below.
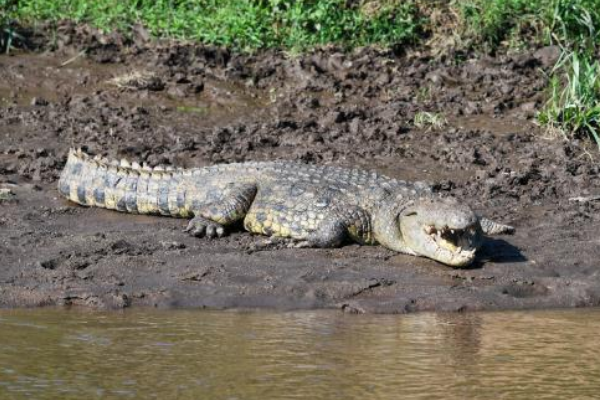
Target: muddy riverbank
[190,105]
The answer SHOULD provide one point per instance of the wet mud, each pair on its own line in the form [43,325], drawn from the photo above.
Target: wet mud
[190,105]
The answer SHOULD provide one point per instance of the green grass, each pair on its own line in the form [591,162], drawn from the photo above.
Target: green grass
[252,24]
[243,24]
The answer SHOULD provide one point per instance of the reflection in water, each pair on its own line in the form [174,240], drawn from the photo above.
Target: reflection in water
[57,354]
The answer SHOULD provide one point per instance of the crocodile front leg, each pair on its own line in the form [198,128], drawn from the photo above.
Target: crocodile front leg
[211,219]
[341,224]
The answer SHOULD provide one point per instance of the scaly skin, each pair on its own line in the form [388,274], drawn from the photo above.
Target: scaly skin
[318,206]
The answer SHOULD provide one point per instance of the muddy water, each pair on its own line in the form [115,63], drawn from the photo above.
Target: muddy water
[52,354]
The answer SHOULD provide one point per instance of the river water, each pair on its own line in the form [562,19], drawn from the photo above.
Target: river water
[147,354]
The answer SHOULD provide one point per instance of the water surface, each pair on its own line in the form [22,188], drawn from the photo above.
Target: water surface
[60,354]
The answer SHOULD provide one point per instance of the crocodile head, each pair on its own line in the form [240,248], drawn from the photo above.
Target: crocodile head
[441,229]
[444,230]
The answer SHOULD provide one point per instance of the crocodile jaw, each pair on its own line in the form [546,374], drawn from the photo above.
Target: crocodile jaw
[443,230]
[455,247]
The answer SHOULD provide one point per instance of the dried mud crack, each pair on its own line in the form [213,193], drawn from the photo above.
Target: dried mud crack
[189,105]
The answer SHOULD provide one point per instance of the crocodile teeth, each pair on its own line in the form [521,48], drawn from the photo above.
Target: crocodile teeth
[125,163]
[135,165]
[448,245]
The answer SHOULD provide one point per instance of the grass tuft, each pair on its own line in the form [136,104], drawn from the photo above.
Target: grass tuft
[573,109]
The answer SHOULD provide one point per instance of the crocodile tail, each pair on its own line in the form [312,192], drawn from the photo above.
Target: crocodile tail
[490,227]
[122,186]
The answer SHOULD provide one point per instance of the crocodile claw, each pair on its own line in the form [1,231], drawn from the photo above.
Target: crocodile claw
[303,244]
[202,227]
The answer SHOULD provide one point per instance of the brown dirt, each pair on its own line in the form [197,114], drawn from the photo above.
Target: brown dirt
[199,105]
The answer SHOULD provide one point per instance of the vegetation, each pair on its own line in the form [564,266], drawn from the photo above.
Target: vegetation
[251,24]
[469,25]
[7,32]
[574,107]
[244,24]
[489,24]
[429,120]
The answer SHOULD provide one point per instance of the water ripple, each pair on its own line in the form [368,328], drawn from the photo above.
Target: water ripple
[316,355]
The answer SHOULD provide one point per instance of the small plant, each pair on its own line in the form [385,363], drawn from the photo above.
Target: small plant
[573,109]
[6,194]
[193,109]
[429,120]
[424,93]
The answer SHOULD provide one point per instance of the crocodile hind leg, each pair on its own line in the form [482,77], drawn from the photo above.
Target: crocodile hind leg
[211,219]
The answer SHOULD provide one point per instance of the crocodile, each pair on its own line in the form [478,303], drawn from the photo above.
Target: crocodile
[315,206]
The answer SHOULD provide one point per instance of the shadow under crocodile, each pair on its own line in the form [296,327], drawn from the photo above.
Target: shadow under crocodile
[498,251]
